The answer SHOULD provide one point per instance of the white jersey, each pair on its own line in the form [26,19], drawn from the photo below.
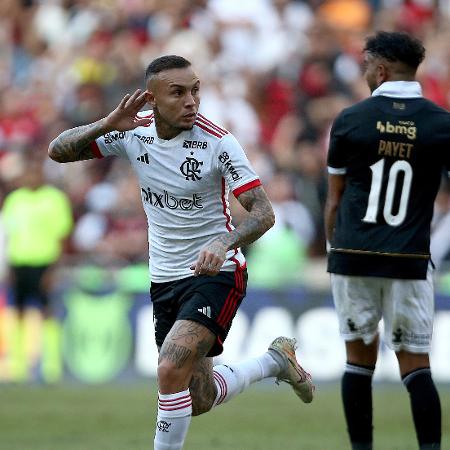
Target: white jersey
[184,184]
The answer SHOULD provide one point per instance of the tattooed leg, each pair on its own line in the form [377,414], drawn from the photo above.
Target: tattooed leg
[187,343]
[203,388]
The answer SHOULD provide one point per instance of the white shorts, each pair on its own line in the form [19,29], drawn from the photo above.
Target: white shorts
[406,306]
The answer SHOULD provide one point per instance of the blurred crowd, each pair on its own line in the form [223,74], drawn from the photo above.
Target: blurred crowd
[274,72]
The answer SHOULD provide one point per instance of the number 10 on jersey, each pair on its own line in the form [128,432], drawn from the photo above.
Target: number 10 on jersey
[375,190]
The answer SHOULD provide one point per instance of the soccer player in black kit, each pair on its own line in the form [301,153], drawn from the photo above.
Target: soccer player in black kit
[385,163]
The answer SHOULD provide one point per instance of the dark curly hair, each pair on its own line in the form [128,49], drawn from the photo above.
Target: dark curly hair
[166,62]
[396,46]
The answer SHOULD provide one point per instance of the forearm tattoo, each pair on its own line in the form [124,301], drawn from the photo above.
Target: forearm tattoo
[260,219]
[74,144]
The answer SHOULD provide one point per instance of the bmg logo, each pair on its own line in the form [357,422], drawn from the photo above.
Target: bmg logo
[403,127]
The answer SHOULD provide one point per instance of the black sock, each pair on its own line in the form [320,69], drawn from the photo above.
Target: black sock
[426,407]
[357,399]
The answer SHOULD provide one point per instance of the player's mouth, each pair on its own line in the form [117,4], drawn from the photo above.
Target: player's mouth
[190,116]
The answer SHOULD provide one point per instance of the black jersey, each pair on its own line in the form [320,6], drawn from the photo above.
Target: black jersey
[392,150]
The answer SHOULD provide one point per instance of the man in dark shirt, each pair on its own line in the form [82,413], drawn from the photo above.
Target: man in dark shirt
[385,162]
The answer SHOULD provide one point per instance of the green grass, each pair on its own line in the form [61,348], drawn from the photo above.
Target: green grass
[121,417]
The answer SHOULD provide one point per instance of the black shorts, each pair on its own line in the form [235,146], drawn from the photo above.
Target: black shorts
[211,301]
[26,283]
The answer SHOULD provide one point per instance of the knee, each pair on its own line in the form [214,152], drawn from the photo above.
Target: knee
[361,353]
[171,378]
[408,362]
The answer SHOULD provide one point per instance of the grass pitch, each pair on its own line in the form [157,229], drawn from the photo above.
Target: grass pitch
[266,417]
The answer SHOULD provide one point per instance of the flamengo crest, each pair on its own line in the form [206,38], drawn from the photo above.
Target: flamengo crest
[191,168]
[163,426]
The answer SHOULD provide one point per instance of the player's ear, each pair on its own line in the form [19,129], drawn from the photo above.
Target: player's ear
[382,73]
[150,98]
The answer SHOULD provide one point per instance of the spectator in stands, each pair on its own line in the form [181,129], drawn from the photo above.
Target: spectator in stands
[284,246]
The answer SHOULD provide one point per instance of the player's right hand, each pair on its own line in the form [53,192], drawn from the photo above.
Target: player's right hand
[124,117]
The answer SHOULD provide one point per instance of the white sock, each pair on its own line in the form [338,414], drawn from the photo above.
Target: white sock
[174,417]
[232,379]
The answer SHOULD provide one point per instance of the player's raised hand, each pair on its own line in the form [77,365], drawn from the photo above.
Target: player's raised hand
[210,259]
[124,117]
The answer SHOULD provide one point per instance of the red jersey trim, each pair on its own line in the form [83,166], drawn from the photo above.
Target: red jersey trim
[228,225]
[208,130]
[150,116]
[96,151]
[224,204]
[246,187]
[203,119]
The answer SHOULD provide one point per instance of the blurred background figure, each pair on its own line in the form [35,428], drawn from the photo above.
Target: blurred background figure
[37,217]
[440,242]
[278,257]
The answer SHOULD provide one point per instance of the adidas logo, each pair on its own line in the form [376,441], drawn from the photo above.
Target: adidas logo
[144,159]
[206,310]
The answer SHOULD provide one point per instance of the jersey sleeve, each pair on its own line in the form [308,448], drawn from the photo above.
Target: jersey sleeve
[113,143]
[337,157]
[235,167]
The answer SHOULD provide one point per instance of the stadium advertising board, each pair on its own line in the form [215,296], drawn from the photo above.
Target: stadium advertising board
[108,334]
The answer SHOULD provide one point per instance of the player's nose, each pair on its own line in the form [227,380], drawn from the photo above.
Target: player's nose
[190,99]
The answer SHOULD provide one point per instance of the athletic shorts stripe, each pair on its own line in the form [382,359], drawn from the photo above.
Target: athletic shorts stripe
[231,308]
[231,303]
[226,306]
[228,301]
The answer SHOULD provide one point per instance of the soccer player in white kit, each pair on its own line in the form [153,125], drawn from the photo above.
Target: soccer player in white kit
[186,165]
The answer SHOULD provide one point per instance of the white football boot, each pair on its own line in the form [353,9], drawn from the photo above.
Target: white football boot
[292,372]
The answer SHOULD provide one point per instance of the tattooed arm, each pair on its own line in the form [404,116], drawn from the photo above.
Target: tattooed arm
[260,219]
[74,144]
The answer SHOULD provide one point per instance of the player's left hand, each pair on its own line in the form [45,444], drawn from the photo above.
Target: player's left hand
[210,259]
